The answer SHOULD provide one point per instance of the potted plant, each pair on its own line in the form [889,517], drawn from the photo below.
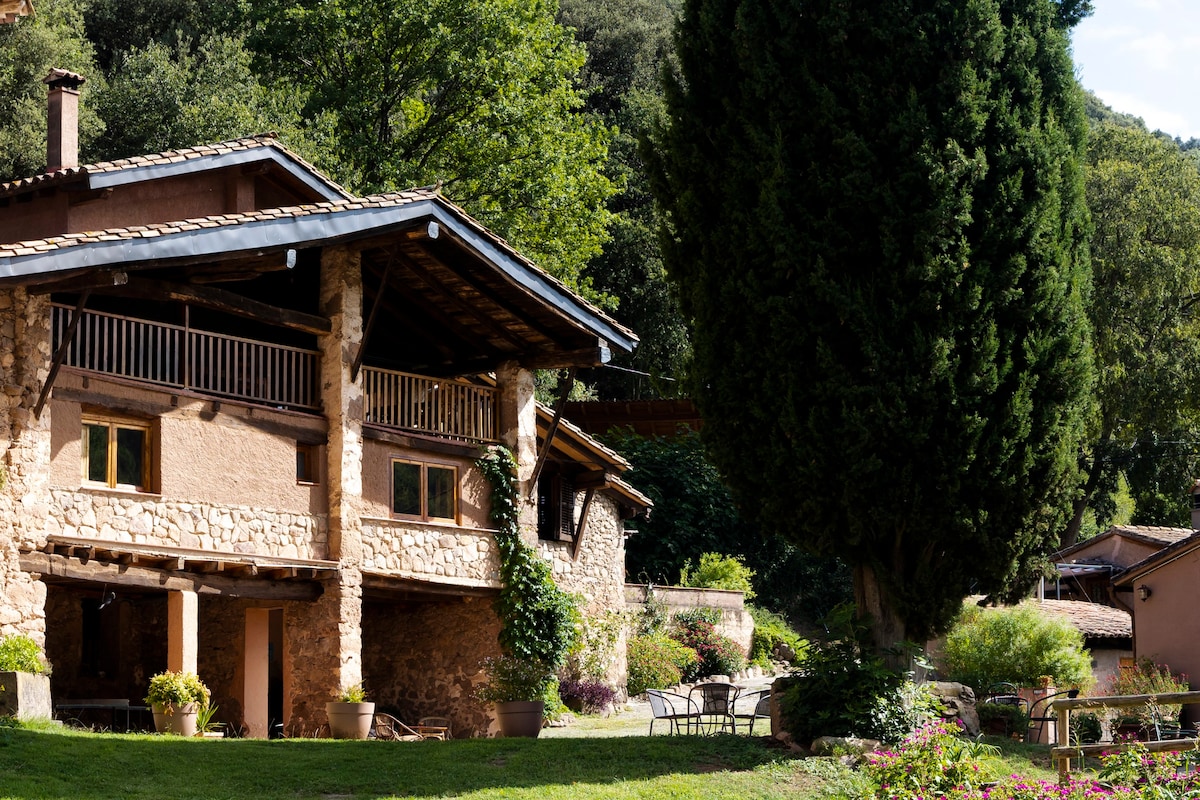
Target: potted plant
[176,699]
[24,678]
[350,714]
[517,687]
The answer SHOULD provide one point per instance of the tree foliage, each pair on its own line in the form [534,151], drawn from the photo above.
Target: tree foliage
[878,233]
[479,95]
[29,48]
[1016,645]
[628,42]
[168,96]
[694,513]
[1144,196]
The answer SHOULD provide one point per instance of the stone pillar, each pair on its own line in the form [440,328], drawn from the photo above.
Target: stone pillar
[24,457]
[183,629]
[341,302]
[518,432]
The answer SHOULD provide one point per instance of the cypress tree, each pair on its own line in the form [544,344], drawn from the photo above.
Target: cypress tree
[877,228]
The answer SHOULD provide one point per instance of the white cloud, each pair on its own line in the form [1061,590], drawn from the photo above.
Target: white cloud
[1156,116]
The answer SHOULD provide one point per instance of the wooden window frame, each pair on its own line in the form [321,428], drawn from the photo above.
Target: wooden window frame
[114,424]
[424,466]
[308,464]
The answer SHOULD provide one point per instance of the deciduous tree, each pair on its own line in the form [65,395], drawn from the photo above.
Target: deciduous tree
[479,95]
[1144,197]
[877,228]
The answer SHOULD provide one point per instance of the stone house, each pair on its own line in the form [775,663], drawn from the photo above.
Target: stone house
[239,416]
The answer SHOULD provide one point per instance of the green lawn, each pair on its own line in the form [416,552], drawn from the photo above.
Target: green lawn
[60,763]
[67,764]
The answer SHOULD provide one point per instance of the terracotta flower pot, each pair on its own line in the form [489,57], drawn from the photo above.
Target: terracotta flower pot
[176,719]
[350,720]
[520,718]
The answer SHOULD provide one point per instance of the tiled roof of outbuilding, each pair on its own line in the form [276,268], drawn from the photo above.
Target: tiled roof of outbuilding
[1092,619]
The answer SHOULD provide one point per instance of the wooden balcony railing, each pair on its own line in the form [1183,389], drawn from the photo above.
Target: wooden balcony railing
[182,357]
[448,408]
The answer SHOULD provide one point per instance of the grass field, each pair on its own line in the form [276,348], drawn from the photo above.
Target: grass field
[59,763]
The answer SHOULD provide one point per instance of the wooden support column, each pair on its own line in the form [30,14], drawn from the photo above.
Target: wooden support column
[183,630]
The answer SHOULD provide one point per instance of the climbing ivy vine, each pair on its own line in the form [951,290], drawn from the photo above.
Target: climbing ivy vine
[537,618]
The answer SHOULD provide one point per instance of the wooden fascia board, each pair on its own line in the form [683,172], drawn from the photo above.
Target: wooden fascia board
[130,574]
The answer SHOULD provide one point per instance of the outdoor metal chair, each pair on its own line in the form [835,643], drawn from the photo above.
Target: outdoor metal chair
[761,709]
[667,705]
[715,705]
[1040,713]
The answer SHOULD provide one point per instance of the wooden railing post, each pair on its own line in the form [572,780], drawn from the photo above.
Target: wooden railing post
[1064,740]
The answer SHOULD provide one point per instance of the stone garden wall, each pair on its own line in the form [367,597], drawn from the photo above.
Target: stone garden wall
[736,622]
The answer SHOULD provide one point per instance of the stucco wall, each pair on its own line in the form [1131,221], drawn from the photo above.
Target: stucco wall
[1166,626]
[238,455]
[474,493]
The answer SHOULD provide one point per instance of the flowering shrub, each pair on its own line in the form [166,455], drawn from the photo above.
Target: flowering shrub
[1146,677]
[656,662]
[933,761]
[719,655]
[591,696]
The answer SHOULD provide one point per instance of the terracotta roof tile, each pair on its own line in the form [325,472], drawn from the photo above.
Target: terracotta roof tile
[1159,534]
[1092,619]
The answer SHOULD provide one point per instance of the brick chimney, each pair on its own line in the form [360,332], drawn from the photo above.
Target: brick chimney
[62,119]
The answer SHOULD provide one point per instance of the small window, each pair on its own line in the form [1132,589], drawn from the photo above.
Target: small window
[307,463]
[424,491]
[116,453]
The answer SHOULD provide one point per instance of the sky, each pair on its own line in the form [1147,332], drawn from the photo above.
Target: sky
[1142,57]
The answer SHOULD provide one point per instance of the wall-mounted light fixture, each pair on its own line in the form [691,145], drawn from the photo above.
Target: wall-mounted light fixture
[1144,592]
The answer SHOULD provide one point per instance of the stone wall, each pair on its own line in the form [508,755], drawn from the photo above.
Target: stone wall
[429,550]
[24,456]
[423,659]
[123,517]
[314,658]
[736,622]
[598,574]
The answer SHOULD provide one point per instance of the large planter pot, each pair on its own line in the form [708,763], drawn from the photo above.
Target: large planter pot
[520,718]
[176,719]
[350,720]
[25,696]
